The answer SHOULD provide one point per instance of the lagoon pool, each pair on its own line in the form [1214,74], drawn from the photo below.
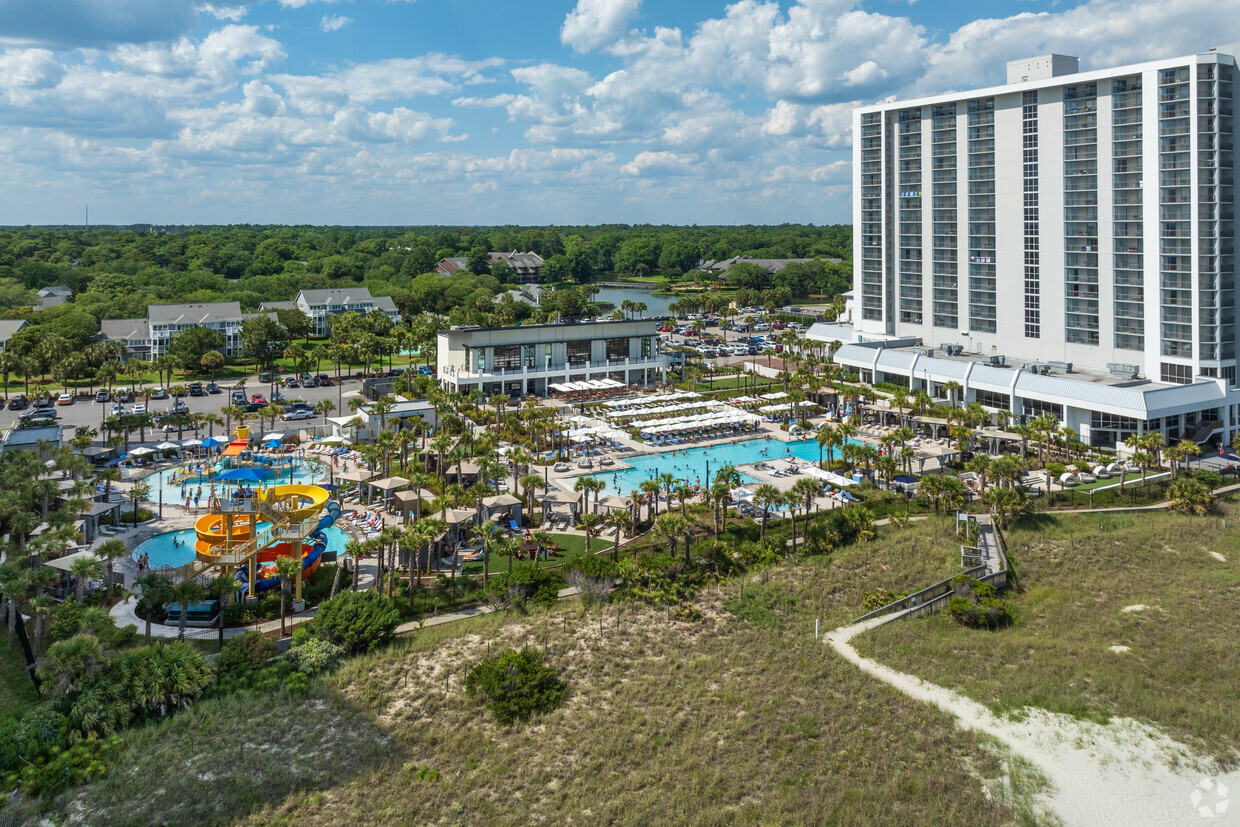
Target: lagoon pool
[176,548]
[175,494]
[689,464]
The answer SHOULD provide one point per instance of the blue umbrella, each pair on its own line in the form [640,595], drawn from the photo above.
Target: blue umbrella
[213,441]
[272,443]
[243,475]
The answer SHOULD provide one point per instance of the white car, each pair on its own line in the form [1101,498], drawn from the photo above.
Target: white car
[295,415]
[139,408]
[118,408]
[159,393]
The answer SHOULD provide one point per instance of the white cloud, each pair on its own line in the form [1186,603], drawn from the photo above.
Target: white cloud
[392,79]
[233,14]
[334,23]
[30,69]
[666,162]
[596,23]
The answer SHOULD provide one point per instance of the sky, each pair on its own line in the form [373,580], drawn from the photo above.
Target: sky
[413,112]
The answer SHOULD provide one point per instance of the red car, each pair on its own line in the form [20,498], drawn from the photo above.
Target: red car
[258,397]
[665,329]
[778,325]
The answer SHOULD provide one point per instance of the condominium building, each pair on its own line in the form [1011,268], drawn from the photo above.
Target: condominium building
[1067,222]
[526,359]
[149,337]
[526,267]
[321,305]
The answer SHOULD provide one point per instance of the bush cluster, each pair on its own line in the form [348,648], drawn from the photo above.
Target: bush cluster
[354,621]
[976,605]
[516,685]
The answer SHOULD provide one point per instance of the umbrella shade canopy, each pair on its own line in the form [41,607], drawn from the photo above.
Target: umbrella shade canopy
[141,451]
[334,439]
[388,483]
[242,475]
[356,475]
[191,443]
[274,435]
[272,443]
[167,446]
[214,441]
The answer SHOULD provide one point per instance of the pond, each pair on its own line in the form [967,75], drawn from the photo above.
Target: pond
[655,305]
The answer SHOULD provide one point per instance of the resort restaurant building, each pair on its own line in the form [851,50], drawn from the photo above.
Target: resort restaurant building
[527,359]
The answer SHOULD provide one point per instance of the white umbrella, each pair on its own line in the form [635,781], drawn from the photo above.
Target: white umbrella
[334,439]
[167,446]
[273,435]
[141,451]
[191,443]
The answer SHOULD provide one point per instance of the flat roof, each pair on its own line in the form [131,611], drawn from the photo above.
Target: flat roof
[556,325]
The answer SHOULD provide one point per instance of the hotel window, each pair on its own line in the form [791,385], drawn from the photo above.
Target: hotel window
[645,347]
[617,349]
[1176,374]
[579,352]
[507,357]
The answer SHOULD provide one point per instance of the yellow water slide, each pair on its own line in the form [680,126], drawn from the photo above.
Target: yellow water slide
[298,502]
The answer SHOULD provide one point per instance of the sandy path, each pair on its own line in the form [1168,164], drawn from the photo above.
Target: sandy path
[1125,773]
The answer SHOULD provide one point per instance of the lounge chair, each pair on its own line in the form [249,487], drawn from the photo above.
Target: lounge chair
[515,526]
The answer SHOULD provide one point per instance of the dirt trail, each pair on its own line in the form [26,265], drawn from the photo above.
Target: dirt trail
[1124,773]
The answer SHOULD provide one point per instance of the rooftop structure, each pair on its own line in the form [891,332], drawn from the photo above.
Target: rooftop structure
[149,337]
[527,359]
[526,267]
[54,295]
[7,328]
[321,305]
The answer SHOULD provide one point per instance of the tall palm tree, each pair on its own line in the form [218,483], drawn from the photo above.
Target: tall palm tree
[110,551]
[766,496]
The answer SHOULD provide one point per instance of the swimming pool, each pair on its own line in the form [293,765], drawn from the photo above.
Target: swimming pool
[176,548]
[689,464]
[174,494]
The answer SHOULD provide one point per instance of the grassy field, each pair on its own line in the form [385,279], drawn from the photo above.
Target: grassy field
[16,690]
[571,545]
[727,719]
[1163,585]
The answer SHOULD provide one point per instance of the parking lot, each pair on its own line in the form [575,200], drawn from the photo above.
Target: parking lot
[88,413]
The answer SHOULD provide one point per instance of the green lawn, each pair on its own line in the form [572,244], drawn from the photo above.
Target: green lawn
[1162,584]
[16,690]
[571,545]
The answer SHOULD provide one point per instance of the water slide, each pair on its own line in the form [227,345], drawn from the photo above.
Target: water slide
[299,503]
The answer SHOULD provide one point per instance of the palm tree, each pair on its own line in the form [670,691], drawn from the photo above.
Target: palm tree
[83,569]
[288,568]
[618,520]
[650,487]
[766,496]
[683,493]
[156,589]
[353,548]
[187,592]
[110,551]
[803,492]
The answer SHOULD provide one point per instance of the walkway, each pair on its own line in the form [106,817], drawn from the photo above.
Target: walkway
[125,612]
[1123,773]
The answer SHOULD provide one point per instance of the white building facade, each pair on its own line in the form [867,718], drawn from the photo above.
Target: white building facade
[1075,217]
[321,305]
[1067,221]
[526,359]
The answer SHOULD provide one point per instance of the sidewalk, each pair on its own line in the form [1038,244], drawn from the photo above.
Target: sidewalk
[125,613]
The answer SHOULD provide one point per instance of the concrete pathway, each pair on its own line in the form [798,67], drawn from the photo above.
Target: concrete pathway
[125,613]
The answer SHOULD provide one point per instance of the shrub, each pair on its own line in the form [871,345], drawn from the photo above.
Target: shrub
[30,738]
[356,621]
[524,584]
[66,768]
[1210,479]
[516,685]
[242,659]
[315,655]
[975,605]
[878,599]
[761,604]
[297,684]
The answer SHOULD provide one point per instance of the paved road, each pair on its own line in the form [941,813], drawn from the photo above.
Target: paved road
[91,414]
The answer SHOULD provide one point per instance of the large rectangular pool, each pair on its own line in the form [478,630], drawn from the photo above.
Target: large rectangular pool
[690,464]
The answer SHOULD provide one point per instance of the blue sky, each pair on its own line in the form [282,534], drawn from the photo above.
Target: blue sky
[499,111]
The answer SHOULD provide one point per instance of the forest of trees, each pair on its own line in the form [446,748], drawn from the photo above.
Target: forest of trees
[116,273]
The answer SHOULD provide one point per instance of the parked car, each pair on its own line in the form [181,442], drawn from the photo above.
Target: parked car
[238,397]
[139,408]
[778,326]
[118,408]
[291,382]
[307,381]
[762,326]
[64,399]
[213,388]
[19,402]
[255,406]
[265,378]
[124,394]
[195,389]
[426,370]
[323,380]
[39,413]
[258,397]
[301,413]
[159,393]
[180,407]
